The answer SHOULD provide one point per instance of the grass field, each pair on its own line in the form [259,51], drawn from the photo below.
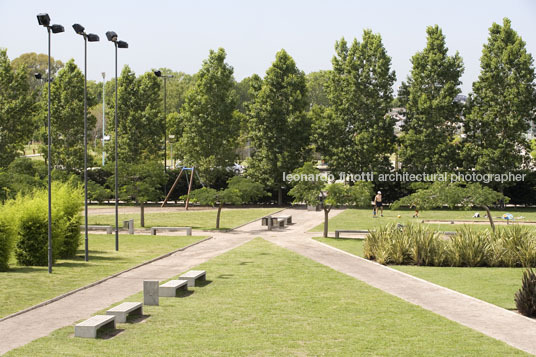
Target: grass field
[230,218]
[363,219]
[23,287]
[494,285]
[263,300]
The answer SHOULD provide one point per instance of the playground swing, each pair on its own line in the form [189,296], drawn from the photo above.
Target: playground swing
[189,182]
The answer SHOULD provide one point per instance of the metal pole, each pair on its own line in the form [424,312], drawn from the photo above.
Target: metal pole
[116,171]
[49,169]
[103,118]
[165,134]
[85,149]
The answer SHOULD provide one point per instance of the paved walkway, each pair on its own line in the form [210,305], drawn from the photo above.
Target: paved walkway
[491,320]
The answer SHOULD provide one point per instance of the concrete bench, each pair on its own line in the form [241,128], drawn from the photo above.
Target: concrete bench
[170,288]
[88,328]
[109,229]
[121,312]
[337,232]
[129,225]
[288,219]
[193,275]
[276,221]
[187,229]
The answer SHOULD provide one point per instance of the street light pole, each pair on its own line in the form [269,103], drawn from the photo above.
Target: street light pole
[103,118]
[112,36]
[165,77]
[79,29]
[44,20]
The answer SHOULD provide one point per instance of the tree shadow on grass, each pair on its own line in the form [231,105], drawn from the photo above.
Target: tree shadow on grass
[226,276]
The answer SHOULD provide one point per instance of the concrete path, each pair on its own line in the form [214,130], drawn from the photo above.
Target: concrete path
[491,320]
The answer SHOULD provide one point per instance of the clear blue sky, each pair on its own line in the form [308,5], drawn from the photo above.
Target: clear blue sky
[179,34]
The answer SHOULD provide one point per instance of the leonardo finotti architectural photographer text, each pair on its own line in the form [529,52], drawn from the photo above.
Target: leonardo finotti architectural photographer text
[407,177]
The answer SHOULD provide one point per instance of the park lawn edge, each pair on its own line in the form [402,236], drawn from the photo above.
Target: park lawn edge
[100,281]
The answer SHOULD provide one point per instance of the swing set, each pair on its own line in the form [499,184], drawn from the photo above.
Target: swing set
[189,182]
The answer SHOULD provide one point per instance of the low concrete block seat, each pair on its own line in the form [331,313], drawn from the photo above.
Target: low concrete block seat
[187,229]
[337,232]
[109,229]
[88,328]
[122,311]
[170,288]
[193,275]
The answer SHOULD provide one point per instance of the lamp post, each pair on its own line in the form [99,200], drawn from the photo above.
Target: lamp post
[44,20]
[91,37]
[103,118]
[171,137]
[112,36]
[165,77]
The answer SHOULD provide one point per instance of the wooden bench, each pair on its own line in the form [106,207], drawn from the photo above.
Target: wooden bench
[170,288]
[187,229]
[121,312]
[109,229]
[129,225]
[193,275]
[88,328]
[337,232]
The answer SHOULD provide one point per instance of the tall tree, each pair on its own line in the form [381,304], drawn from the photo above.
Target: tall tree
[354,134]
[432,116]
[278,125]
[67,119]
[317,83]
[16,110]
[502,106]
[140,123]
[210,123]
[37,63]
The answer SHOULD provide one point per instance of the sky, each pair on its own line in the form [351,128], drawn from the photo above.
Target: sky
[179,34]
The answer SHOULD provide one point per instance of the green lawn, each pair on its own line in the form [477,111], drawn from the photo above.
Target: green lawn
[363,219]
[23,287]
[494,285]
[266,301]
[230,218]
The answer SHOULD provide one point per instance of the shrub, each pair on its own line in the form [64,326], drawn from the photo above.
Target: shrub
[469,248]
[427,247]
[525,298]
[31,223]
[6,244]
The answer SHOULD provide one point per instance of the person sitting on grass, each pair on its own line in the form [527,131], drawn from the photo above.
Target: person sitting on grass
[378,202]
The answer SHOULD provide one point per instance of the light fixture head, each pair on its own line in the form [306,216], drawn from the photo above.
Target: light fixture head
[111,36]
[57,28]
[38,75]
[79,29]
[43,19]
[158,73]
[122,44]
[91,37]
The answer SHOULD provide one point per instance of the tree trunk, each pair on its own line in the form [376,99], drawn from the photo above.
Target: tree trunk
[280,196]
[218,216]
[142,214]
[489,217]
[326,214]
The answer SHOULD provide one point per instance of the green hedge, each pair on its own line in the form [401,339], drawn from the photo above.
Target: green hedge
[513,246]
[28,223]
[6,243]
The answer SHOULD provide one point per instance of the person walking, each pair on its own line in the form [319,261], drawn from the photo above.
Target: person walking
[378,203]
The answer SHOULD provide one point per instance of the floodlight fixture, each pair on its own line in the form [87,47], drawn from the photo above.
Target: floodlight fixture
[158,73]
[79,29]
[112,36]
[57,28]
[38,75]
[122,44]
[91,37]
[43,19]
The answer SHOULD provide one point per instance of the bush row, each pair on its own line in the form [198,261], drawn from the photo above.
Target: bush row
[24,225]
[512,246]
